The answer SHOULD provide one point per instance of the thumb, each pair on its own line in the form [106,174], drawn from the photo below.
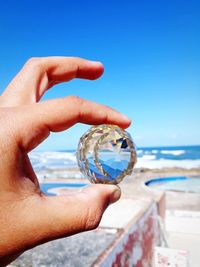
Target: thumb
[62,216]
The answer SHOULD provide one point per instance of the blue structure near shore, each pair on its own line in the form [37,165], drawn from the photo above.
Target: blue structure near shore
[164,179]
[180,183]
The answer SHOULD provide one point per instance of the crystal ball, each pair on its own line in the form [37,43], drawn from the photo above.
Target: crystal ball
[106,154]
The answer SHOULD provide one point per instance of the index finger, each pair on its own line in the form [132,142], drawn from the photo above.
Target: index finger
[40,74]
[60,114]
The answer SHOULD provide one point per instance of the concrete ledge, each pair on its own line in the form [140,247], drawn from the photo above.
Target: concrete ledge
[134,247]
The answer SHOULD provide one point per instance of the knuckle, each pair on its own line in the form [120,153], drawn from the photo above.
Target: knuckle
[34,62]
[108,107]
[75,99]
[75,59]
[92,219]
[102,115]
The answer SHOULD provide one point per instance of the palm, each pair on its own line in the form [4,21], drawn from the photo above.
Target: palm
[28,217]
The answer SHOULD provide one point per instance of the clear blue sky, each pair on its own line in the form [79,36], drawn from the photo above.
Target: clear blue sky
[150,50]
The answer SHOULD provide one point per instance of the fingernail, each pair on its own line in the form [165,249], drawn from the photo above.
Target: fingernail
[124,117]
[115,195]
[96,63]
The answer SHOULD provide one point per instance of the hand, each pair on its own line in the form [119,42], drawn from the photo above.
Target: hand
[27,216]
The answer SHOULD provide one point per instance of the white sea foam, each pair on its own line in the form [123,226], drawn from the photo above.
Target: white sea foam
[148,157]
[147,152]
[52,160]
[164,163]
[63,160]
[173,152]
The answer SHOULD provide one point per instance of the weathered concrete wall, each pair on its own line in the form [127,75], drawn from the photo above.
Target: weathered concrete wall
[135,245]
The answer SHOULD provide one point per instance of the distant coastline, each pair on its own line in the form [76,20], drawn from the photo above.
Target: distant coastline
[186,157]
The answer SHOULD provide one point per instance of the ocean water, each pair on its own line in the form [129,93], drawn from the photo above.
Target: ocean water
[186,157]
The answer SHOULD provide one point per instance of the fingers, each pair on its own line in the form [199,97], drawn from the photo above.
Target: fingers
[39,74]
[66,215]
[60,114]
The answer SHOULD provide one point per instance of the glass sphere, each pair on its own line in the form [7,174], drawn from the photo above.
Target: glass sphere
[106,154]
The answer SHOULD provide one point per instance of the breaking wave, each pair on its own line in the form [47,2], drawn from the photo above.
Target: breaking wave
[181,157]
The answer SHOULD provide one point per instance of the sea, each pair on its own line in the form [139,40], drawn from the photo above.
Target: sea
[186,157]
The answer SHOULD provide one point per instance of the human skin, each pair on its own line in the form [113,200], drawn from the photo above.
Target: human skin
[27,216]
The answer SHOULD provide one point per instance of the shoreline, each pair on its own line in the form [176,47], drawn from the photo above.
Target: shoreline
[74,175]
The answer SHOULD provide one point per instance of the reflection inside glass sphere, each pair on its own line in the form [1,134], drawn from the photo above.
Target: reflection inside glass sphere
[106,154]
